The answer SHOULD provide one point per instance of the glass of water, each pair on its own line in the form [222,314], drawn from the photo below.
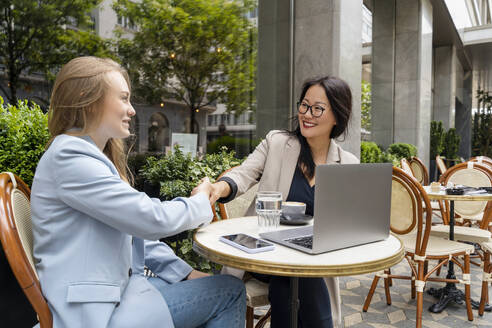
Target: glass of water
[268,208]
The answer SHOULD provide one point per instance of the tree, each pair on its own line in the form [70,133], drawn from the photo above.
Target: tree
[41,35]
[366,106]
[196,51]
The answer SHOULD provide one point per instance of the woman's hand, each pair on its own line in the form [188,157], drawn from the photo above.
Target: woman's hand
[206,187]
[195,274]
[219,189]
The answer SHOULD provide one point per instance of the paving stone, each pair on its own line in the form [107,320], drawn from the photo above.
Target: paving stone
[345,292]
[379,313]
[352,284]
[381,325]
[439,316]
[396,316]
[352,320]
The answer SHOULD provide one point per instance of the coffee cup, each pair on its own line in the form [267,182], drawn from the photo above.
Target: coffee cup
[293,208]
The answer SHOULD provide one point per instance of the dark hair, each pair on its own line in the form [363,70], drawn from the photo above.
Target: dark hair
[340,97]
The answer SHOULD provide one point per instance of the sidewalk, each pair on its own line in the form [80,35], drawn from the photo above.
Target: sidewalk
[402,311]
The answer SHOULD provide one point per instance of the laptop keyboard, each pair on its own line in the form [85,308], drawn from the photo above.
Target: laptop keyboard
[304,241]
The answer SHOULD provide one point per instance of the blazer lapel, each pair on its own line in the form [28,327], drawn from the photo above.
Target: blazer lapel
[288,166]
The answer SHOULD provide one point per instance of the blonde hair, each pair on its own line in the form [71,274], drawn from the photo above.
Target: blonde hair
[78,93]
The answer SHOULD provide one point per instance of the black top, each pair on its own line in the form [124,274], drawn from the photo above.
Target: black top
[301,191]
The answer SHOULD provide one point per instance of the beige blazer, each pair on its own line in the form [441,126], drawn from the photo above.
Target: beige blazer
[272,165]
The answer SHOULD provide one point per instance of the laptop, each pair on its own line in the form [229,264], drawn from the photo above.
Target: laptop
[352,206]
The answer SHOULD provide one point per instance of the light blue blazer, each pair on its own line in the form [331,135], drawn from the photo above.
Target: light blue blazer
[91,240]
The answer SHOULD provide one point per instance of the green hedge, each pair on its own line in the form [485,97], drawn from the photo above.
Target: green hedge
[241,146]
[372,153]
[23,137]
[369,152]
[402,150]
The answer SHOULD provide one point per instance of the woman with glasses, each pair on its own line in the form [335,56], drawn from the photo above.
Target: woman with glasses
[286,161]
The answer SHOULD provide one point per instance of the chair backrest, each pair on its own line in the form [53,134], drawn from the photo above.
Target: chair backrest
[411,211]
[440,165]
[405,166]
[238,206]
[419,170]
[470,174]
[482,160]
[17,241]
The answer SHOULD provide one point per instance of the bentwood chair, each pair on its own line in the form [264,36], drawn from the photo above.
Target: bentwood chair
[411,222]
[482,160]
[17,241]
[474,175]
[487,276]
[405,166]
[256,291]
[419,170]
[441,166]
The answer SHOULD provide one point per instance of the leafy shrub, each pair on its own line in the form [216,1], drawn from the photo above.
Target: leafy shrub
[23,137]
[436,139]
[389,158]
[177,174]
[241,146]
[372,153]
[369,152]
[136,162]
[451,144]
[365,105]
[402,150]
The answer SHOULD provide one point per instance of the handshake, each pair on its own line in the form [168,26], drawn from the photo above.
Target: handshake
[213,191]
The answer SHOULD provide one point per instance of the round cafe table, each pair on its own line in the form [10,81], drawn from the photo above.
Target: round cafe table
[285,261]
[450,292]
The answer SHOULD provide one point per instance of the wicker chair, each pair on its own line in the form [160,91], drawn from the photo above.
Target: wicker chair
[474,175]
[17,241]
[419,170]
[256,291]
[412,223]
[416,169]
[441,166]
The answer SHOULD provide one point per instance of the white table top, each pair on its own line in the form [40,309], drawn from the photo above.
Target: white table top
[441,195]
[286,261]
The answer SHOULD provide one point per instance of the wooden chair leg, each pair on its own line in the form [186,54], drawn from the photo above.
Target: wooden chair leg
[485,285]
[420,305]
[250,317]
[370,294]
[261,323]
[412,284]
[390,279]
[420,295]
[467,289]
[387,290]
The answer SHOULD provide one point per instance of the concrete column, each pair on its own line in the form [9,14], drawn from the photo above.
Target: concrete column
[402,73]
[327,41]
[445,68]
[464,100]
[274,57]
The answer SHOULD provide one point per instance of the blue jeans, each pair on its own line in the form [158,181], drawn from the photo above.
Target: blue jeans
[212,302]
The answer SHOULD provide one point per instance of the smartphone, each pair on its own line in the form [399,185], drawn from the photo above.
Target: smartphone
[247,243]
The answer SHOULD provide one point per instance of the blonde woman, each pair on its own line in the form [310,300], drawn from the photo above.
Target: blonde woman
[92,230]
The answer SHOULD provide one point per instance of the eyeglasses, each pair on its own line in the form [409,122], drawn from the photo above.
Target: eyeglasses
[316,110]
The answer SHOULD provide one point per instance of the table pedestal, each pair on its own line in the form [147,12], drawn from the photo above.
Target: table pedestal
[450,292]
[294,301]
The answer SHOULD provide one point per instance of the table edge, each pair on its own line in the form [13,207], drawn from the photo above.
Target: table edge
[297,270]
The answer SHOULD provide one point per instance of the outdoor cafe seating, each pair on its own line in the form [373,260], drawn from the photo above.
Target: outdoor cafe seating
[411,220]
